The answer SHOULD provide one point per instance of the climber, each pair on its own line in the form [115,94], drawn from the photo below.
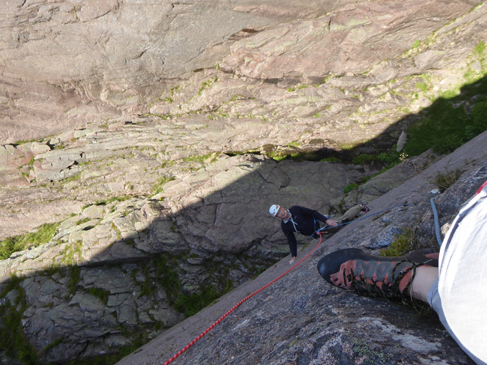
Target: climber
[307,221]
[451,285]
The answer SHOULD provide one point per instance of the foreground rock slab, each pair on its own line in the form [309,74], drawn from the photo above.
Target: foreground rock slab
[301,319]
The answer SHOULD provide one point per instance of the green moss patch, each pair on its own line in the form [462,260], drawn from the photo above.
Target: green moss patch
[401,245]
[18,243]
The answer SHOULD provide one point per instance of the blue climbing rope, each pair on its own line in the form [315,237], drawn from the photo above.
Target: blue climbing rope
[437,225]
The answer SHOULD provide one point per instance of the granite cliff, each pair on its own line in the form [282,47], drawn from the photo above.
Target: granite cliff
[150,138]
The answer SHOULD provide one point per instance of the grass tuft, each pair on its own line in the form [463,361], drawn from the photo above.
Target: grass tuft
[401,245]
[447,179]
[18,243]
[159,186]
[350,187]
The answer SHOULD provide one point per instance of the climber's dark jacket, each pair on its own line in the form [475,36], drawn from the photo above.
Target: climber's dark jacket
[304,221]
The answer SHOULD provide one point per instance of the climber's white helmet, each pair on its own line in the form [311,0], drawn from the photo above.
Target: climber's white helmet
[274,209]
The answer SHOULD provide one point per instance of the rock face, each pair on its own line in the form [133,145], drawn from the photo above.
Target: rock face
[64,63]
[301,319]
[192,232]
[153,126]
[202,212]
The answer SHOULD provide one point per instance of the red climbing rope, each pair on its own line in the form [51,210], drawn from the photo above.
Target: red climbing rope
[236,306]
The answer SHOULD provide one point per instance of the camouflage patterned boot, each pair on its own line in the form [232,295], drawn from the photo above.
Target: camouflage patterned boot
[370,275]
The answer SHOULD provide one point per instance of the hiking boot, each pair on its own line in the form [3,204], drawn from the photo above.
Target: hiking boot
[370,275]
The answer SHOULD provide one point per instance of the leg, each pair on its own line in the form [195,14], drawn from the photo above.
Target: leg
[422,282]
[350,214]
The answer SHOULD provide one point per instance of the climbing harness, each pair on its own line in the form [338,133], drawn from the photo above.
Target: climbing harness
[316,223]
[319,232]
[292,220]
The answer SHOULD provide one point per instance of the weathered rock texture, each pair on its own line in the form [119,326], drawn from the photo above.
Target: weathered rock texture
[302,320]
[153,124]
[64,63]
